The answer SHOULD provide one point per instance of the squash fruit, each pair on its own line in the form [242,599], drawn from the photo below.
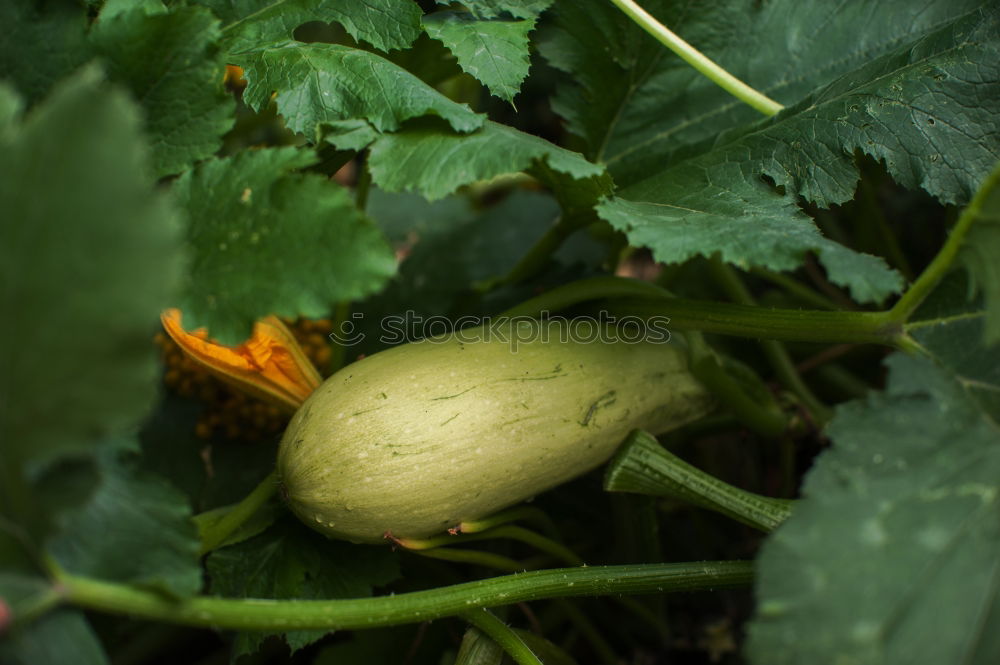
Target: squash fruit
[418,438]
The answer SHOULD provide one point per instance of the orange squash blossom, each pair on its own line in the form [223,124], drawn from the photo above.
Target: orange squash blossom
[270,365]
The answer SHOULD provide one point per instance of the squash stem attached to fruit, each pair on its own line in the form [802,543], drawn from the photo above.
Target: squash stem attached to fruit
[215,533]
[508,531]
[531,514]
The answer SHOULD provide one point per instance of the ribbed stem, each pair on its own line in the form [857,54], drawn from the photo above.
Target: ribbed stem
[261,614]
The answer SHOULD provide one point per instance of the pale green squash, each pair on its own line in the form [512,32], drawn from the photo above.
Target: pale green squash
[423,436]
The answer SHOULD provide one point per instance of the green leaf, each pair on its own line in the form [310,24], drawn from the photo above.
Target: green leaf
[980,250]
[636,103]
[920,108]
[171,63]
[90,254]
[112,8]
[529,9]
[57,638]
[267,240]
[747,225]
[289,561]
[11,106]
[354,134]
[435,162]
[493,51]
[955,342]
[136,529]
[42,43]
[374,646]
[385,24]
[322,83]
[899,520]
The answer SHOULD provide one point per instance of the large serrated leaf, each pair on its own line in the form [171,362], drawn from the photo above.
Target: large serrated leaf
[923,108]
[90,253]
[529,9]
[171,63]
[494,51]
[901,518]
[636,103]
[385,24]
[319,83]
[266,240]
[435,162]
[747,225]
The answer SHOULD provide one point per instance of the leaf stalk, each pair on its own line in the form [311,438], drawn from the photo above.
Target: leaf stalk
[413,607]
[699,60]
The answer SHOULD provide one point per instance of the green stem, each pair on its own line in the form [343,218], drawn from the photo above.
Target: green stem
[765,419]
[633,297]
[844,381]
[213,535]
[31,609]
[794,325]
[362,187]
[536,258]
[643,466]
[513,532]
[516,514]
[933,273]
[592,288]
[538,541]
[477,649]
[873,221]
[589,631]
[795,288]
[501,633]
[775,352]
[471,557]
[698,60]
[417,606]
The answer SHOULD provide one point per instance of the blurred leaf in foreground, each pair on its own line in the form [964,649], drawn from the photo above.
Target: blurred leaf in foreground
[135,528]
[90,253]
[892,556]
